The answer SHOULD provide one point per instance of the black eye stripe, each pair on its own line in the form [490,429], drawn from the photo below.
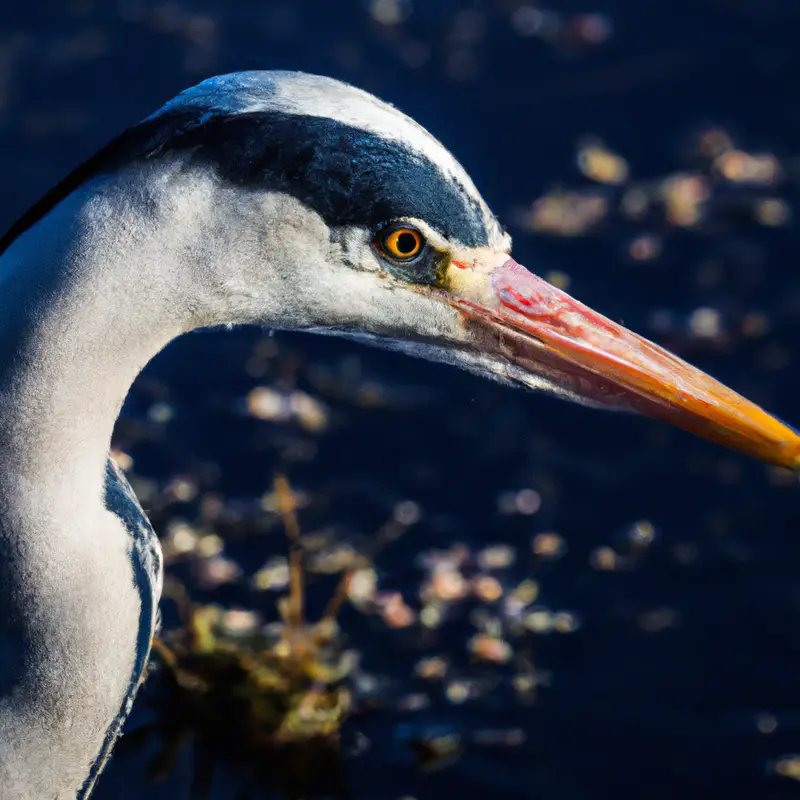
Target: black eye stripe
[348,175]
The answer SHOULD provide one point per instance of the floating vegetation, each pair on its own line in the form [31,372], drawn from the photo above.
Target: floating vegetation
[264,703]
[599,164]
[566,213]
[267,702]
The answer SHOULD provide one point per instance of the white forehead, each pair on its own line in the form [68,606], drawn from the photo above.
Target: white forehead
[318,96]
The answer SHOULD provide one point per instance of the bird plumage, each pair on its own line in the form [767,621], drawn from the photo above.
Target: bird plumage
[172,226]
[147,569]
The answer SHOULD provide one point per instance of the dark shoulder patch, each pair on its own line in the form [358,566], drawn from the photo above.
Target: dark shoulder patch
[349,176]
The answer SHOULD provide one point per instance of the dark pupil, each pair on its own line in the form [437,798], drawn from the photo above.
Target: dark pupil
[406,243]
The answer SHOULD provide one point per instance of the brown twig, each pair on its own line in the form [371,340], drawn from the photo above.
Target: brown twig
[338,597]
[287,507]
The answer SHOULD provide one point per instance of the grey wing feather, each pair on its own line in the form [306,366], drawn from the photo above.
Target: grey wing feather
[147,567]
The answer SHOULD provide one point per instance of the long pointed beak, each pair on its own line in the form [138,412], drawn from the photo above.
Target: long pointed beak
[539,329]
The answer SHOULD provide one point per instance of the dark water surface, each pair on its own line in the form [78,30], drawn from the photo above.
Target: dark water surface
[683,677]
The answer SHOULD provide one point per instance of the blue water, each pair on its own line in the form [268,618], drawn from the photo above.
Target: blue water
[629,714]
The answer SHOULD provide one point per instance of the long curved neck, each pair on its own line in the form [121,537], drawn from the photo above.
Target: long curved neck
[87,297]
[84,305]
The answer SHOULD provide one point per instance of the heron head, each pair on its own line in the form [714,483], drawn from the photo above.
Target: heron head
[357,222]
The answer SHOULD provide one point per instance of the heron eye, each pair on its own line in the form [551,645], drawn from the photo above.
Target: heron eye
[401,244]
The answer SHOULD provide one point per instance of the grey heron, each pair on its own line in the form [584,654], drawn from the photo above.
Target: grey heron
[275,198]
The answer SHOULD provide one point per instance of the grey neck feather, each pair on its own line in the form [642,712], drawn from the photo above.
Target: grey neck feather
[87,297]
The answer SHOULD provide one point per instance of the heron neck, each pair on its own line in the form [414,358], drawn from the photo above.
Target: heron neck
[84,305]
[87,297]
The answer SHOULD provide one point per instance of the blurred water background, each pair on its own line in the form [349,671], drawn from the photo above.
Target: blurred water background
[646,156]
